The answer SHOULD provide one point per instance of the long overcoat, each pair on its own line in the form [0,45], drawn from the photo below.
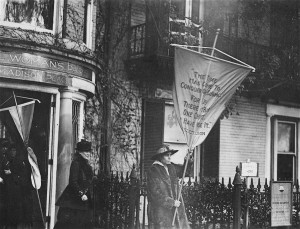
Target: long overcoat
[73,212]
[2,191]
[162,193]
[18,198]
[80,182]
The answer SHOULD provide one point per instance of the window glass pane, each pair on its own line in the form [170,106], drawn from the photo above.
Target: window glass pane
[286,137]
[38,13]
[178,9]
[285,167]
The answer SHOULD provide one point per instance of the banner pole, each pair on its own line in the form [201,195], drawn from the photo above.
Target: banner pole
[25,143]
[215,42]
[38,196]
[208,68]
[201,101]
[19,116]
[181,183]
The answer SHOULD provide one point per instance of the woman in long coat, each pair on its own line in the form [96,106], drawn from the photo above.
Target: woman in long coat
[18,197]
[75,202]
[162,184]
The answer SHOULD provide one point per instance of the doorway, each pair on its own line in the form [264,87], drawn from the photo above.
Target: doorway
[35,202]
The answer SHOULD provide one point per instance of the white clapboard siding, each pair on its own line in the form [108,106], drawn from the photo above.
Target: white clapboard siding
[243,137]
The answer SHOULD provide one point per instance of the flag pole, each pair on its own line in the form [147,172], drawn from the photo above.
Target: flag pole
[191,151]
[37,192]
[209,64]
[181,183]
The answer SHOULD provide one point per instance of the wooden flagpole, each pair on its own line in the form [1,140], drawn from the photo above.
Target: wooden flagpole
[181,183]
[191,151]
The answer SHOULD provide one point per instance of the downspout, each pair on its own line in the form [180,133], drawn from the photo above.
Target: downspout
[107,97]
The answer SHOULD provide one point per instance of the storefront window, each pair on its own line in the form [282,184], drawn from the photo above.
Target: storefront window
[28,14]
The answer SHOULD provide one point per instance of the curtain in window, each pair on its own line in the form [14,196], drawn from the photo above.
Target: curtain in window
[38,13]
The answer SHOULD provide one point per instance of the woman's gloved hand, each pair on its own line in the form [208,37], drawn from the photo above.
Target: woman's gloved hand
[177,203]
[84,198]
[7,171]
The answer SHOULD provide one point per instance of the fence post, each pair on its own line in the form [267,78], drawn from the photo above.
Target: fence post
[237,206]
[132,197]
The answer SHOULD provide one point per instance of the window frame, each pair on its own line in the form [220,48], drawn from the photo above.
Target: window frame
[89,23]
[278,120]
[57,20]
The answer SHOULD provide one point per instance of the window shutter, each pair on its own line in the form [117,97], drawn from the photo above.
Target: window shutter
[157,26]
[153,130]
[210,157]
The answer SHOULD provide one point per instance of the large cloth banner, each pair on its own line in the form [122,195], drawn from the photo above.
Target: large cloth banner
[203,85]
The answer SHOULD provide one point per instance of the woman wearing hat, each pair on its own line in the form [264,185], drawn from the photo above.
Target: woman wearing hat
[163,187]
[75,202]
[18,189]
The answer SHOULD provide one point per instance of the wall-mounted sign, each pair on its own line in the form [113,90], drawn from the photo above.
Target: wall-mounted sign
[33,61]
[172,130]
[281,203]
[249,169]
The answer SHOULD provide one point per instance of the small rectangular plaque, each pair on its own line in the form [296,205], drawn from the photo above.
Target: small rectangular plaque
[249,169]
[281,204]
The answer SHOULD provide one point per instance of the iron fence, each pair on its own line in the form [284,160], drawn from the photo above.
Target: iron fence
[116,201]
[121,202]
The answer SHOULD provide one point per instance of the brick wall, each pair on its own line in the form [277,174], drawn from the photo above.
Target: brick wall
[243,137]
[75,19]
[75,23]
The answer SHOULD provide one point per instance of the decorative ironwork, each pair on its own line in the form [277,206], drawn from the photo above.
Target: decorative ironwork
[121,202]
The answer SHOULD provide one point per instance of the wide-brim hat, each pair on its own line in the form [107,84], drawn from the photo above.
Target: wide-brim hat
[163,150]
[84,145]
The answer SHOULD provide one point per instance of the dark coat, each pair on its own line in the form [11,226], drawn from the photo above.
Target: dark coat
[74,212]
[2,191]
[162,193]
[18,199]
[80,183]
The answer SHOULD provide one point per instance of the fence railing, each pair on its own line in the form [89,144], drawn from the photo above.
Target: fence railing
[121,202]
[116,201]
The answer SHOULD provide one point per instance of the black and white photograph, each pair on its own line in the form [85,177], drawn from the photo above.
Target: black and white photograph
[149,114]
